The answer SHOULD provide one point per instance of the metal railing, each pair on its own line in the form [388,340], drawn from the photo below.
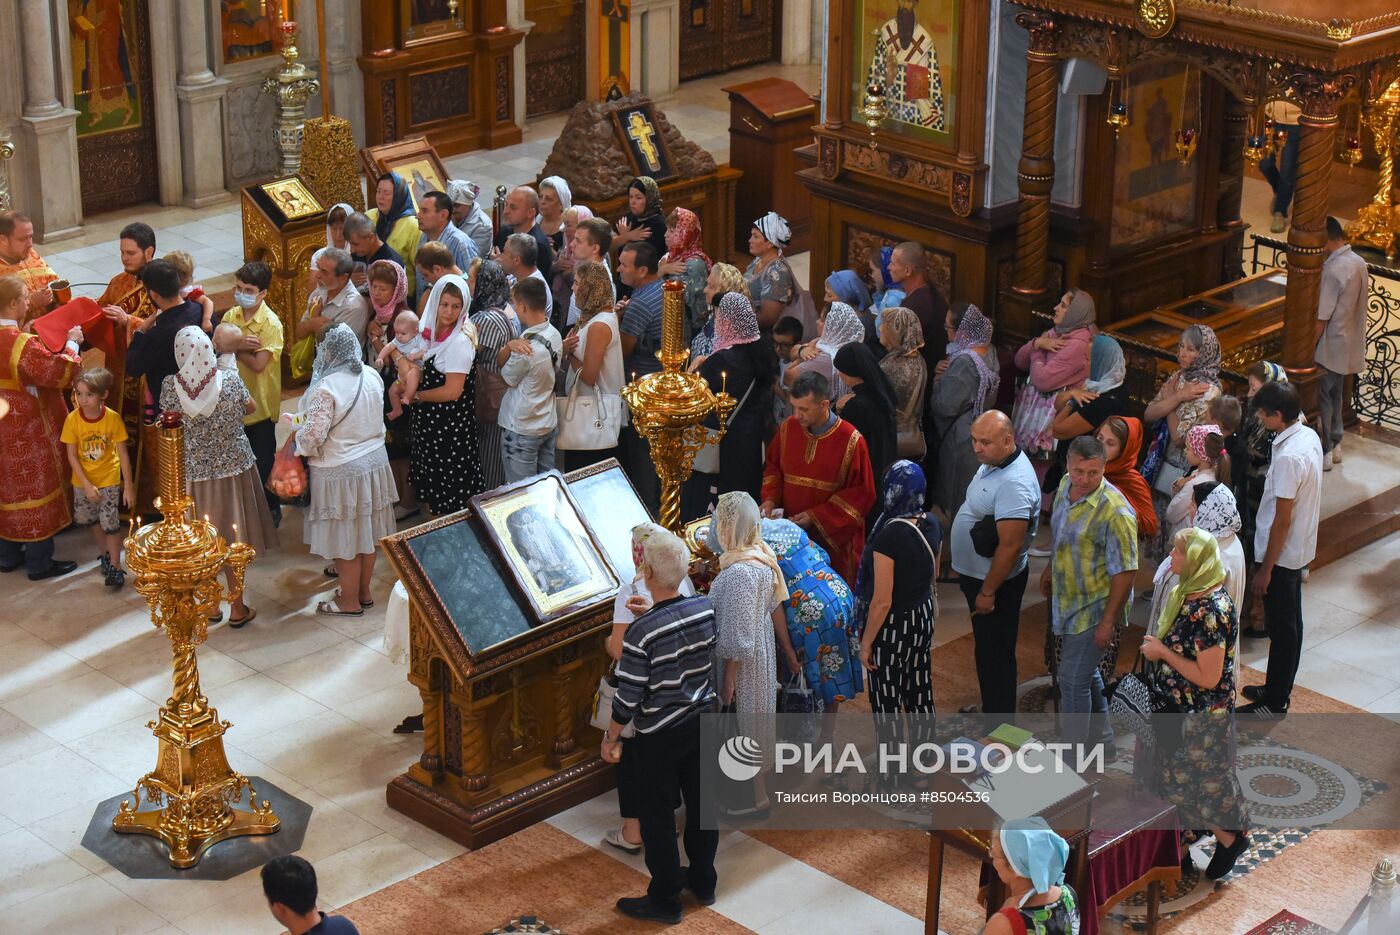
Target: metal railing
[1375,393]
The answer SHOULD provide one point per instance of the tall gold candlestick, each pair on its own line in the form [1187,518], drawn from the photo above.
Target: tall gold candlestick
[177,563]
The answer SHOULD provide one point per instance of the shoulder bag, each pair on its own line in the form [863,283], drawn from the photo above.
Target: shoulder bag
[933,558]
[603,702]
[1133,702]
[707,458]
[587,423]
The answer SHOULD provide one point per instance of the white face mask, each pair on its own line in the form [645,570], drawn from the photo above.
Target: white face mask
[245,301]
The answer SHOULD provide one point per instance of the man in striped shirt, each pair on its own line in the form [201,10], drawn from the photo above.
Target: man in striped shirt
[663,685]
[1089,581]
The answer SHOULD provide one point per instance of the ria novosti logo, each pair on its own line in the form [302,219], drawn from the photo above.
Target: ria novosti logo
[740,758]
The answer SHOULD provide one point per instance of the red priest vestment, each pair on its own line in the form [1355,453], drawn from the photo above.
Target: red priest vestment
[32,271]
[828,476]
[33,499]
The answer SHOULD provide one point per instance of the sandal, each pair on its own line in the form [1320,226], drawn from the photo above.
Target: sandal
[216,617]
[330,571]
[244,620]
[367,604]
[329,609]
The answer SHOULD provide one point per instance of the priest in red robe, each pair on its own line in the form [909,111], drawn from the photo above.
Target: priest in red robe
[33,465]
[818,472]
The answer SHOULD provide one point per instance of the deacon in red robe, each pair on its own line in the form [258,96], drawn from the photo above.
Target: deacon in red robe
[19,258]
[33,465]
[818,472]
[126,303]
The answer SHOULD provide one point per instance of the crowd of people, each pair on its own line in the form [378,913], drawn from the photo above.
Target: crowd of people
[866,460]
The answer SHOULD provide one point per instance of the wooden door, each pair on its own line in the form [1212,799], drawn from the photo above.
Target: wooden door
[554,55]
[111,57]
[718,35]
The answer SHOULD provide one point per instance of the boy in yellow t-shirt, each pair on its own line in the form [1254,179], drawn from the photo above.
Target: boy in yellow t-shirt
[95,437]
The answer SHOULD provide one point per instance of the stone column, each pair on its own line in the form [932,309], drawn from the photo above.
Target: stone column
[1319,95]
[797,32]
[201,97]
[51,195]
[342,46]
[1036,171]
[655,47]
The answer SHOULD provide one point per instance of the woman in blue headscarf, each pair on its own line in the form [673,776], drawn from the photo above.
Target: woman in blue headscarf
[396,222]
[894,589]
[887,293]
[1030,860]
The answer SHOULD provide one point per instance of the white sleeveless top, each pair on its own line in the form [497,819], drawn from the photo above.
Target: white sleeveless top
[611,376]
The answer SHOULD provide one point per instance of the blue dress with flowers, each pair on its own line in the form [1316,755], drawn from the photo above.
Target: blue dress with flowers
[820,613]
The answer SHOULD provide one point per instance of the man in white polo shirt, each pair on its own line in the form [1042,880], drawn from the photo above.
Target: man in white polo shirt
[1285,539]
[991,533]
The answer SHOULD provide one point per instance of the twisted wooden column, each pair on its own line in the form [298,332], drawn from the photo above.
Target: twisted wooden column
[1227,214]
[1036,171]
[1307,237]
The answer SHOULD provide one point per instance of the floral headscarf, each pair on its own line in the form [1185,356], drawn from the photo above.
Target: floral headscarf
[1204,571]
[849,288]
[842,326]
[735,322]
[648,187]
[385,313]
[199,380]
[974,331]
[400,207]
[1206,367]
[592,289]
[738,530]
[492,287]
[685,229]
[1196,439]
[1219,513]
[905,489]
[908,332]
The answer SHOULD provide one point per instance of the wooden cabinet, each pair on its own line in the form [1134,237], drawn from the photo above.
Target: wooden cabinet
[720,35]
[769,120]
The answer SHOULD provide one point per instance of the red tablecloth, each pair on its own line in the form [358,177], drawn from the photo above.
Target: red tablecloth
[1125,861]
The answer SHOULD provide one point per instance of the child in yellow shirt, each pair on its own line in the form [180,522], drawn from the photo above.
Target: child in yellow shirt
[95,437]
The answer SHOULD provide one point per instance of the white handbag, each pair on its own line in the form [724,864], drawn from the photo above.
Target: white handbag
[602,706]
[587,423]
[707,458]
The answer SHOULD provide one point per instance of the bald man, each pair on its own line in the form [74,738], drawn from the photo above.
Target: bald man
[991,534]
[520,213]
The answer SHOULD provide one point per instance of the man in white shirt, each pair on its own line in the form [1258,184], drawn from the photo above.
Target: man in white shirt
[340,302]
[527,418]
[1285,539]
[435,223]
[518,260]
[1341,335]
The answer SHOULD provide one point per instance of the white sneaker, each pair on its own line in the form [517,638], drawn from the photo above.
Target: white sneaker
[1326,463]
[615,838]
[1280,222]
[1337,453]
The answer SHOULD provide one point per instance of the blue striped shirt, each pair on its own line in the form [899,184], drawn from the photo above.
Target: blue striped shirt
[664,676]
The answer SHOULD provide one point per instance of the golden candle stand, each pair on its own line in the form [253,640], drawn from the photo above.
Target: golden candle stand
[177,563]
[669,407]
[1375,223]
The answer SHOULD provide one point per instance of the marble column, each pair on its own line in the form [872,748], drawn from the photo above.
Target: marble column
[796,48]
[201,96]
[343,74]
[1036,172]
[655,47]
[515,19]
[50,193]
[1319,95]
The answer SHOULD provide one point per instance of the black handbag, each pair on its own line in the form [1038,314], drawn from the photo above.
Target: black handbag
[1134,700]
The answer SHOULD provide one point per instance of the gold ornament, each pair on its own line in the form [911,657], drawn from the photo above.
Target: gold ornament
[1375,222]
[292,84]
[177,563]
[669,407]
[1155,18]
[874,110]
[329,162]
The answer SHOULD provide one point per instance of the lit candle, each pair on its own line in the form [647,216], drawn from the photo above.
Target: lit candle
[723,381]
[235,533]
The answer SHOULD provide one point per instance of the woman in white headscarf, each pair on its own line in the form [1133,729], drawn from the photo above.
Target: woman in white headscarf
[746,592]
[219,464]
[445,460]
[340,431]
[335,225]
[468,216]
[555,199]
[771,283]
[839,326]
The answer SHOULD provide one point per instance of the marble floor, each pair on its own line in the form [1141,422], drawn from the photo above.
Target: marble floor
[313,699]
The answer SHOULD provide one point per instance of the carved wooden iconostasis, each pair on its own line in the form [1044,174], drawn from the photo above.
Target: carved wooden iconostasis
[439,68]
[509,603]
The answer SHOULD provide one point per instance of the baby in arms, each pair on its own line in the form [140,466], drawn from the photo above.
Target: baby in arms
[411,346]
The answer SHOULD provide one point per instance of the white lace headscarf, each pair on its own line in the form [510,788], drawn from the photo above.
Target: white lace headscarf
[199,380]
[739,529]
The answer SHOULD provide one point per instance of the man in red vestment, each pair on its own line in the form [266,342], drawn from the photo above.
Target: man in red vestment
[19,258]
[33,465]
[819,473]
[127,304]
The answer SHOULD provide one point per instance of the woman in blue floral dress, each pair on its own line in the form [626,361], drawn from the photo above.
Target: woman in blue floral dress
[819,610]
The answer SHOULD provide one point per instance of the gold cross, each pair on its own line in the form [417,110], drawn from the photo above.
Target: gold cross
[641,133]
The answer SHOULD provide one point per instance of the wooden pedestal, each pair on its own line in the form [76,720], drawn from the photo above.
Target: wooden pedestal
[769,120]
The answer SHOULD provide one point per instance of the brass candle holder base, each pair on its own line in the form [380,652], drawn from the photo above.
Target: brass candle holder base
[177,563]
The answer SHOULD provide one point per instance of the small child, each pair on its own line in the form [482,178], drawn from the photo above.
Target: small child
[189,289]
[227,339]
[411,347]
[95,437]
[1226,412]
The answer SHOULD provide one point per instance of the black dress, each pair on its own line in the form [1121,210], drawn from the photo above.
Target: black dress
[445,465]
[875,422]
[741,451]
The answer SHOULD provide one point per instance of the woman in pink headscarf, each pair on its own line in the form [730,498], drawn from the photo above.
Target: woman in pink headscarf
[686,260]
[745,368]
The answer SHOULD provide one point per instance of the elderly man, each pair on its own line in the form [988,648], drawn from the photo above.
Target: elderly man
[664,683]
[467,215]
[19,258]
[435,222]
[520,214]
[1089,582]
[1340,337]
[520,260]
[818,471]
[337,300]
[992,532]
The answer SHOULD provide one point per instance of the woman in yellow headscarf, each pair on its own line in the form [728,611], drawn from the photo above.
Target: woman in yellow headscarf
[1192,644]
